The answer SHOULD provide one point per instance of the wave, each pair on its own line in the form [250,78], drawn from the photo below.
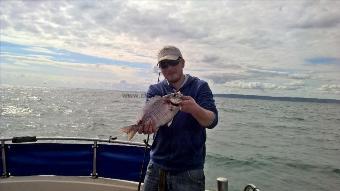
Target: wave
[289,127]
[310,167]
[336,171]
[300,165]
[292,118]
[259,161]
[15,111]
[231,162]
[229,110]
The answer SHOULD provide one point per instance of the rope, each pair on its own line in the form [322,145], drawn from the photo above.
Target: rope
[142,168]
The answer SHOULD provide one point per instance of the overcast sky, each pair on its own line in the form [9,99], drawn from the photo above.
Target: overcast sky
[276,48]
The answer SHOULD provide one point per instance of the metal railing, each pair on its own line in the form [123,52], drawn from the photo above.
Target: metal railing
[30,139]
[222,183]
[34,139]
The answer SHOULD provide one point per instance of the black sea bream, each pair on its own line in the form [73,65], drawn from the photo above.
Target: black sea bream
[159,109]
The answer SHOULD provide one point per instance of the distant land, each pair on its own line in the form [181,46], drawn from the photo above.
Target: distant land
[293,99]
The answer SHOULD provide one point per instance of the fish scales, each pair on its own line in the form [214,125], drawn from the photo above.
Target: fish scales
[159,110]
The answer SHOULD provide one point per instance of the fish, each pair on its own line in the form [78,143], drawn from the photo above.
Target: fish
[160,109]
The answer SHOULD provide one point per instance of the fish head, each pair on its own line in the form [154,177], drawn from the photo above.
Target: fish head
[174,98]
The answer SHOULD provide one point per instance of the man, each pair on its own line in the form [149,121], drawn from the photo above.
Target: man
[178,151]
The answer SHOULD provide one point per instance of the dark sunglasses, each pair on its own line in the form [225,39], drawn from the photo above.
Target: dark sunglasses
[164,64]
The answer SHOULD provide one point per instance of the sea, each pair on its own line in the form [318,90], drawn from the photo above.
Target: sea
[275,145]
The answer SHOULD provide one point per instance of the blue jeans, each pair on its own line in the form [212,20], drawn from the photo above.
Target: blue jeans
[179,181]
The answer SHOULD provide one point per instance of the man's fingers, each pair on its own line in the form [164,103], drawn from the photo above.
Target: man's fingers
[151,127]
[185,97]
[147,128]
[183,102]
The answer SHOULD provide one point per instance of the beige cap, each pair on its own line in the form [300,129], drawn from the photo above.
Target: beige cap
[169,53]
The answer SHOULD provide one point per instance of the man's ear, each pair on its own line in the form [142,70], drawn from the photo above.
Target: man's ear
[183,61]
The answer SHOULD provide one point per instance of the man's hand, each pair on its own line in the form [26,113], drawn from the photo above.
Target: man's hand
[188,105]
[203,116]
[148,127]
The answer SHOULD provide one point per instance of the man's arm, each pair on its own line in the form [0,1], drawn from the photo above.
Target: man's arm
[204,117]
[203,107]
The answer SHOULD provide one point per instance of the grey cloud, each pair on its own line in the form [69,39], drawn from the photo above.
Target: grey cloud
[155,24]
[318,14]
[218,62]
[221,78]
[259,74]
[210,59]
[330,88]
[4,23]
[321,23]
[261,86]
[37,17]
[299,76]
[222,37]
[260,39]
[118,17]
[275,73]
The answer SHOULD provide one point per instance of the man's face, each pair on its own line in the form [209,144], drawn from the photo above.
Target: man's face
[171,72]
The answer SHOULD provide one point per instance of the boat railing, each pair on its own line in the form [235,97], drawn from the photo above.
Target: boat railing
[5,147]
[26,139]
[6,143]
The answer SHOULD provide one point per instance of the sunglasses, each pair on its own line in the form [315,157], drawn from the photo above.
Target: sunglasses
[164,64]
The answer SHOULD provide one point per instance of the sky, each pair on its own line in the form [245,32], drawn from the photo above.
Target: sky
[260,47]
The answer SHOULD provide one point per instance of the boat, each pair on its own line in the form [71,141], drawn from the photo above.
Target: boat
[33,163]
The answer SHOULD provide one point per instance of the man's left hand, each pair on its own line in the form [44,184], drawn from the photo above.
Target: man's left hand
[188,104]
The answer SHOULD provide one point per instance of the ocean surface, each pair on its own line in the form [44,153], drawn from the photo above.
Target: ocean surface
[276,145]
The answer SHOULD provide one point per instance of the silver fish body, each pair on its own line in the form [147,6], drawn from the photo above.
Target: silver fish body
[160,110]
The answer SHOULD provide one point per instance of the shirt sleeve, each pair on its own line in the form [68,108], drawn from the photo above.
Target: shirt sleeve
[150,93]
[206,100]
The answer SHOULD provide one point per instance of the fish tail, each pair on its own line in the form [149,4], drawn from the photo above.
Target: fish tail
[130,131]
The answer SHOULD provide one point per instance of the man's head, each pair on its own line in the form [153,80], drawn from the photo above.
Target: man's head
[171,63]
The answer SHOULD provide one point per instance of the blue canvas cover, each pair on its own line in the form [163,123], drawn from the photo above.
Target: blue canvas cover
[113,161]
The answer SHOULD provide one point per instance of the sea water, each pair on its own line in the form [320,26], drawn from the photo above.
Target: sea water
[276,145]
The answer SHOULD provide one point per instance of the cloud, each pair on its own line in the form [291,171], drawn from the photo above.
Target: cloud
[27,68]
[333,88]
[263,86]
[278,73]
[221,78]
[316,15]
[265,44]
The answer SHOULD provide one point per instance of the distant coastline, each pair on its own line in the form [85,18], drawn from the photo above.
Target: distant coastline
[141,94]
[292,99]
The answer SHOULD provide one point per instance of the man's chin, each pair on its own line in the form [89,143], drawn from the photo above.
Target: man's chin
[173,80]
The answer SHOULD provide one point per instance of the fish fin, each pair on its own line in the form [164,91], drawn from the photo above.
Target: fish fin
[130,131]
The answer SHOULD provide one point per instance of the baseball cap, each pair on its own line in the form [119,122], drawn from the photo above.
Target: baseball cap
[169,53]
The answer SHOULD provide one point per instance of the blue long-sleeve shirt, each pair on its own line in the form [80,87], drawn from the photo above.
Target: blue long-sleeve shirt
[181,146]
